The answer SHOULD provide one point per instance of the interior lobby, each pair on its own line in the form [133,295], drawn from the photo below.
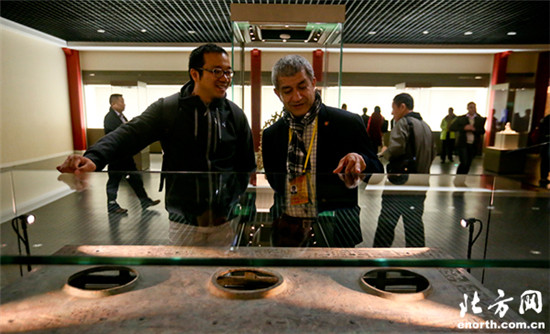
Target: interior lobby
[486,234]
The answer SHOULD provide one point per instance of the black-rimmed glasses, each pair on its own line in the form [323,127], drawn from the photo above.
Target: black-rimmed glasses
[218,72]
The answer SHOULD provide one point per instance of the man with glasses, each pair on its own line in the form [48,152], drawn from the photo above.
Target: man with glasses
[199,130]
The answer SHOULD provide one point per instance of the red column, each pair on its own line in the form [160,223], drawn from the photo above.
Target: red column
[541,88]
[318,65]
[78,120]
[500,63]
[256,92]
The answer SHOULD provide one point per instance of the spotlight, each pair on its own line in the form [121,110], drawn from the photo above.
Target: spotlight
[23,221]
[470,224]
[29,219]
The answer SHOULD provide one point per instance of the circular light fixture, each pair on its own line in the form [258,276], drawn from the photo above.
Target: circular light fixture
[478,77]
[372,32]
[284,40]
[511,33]
[101,31]
[284,36]
[143,30]
[425,32]
[467,33]
[191,32]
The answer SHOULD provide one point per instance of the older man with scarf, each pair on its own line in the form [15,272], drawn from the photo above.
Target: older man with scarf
[312,145]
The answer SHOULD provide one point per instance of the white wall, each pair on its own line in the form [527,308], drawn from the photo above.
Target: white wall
[35,113]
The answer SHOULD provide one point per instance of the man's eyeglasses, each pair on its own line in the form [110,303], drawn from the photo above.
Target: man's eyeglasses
[218,72]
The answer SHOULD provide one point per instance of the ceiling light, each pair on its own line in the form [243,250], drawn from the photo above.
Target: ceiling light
[143,30]
[191,32]
[511,33]
[372,32]
[286,25]
[101,31]
[468,33]
[92,74]
[425,32]
[305,41]
[284,36]
[478,77]
[284,40]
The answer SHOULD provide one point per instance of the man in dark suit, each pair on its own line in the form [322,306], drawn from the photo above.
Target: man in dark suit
[113,120]
[305,149]
[470,128]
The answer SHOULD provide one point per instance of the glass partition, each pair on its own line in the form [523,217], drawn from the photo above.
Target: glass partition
[437,226]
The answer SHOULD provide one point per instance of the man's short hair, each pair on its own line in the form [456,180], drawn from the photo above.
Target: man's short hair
[289,66]
[405,99]
[377,109]
[113,98]
[196,58]
[471,103]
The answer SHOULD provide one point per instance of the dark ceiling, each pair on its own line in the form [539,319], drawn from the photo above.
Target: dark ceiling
[389,22]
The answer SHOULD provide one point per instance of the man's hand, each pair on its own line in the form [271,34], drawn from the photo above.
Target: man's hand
[469,127]
[351,163]
[349,169]
[76,164]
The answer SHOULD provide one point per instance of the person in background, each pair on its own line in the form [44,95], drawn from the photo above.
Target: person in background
[374,128]
[365,117]
[470,127]
[112,121]
[447,137]
[344,107]
[410,206]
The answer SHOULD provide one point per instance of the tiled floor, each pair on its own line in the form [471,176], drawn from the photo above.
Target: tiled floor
[516,220]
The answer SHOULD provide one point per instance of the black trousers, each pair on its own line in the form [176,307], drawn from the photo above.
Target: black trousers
[466,155]
[411,208]
[134,180]
[447,148]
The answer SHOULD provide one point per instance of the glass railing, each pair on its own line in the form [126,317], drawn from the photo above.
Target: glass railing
[441,226]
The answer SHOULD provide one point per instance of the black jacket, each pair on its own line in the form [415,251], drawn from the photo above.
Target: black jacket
[339,133]
[193,138]
[458,126]
[125,163]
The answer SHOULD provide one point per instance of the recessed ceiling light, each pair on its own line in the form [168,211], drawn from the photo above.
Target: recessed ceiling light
[305,41]
[263,40]
[478,77]
[286,25]
[143,30]
[92,74]
[511,33]
[101,31]
[468,33]
[284,40]
[425,32]
[284,36]
[372,32]
[191,32]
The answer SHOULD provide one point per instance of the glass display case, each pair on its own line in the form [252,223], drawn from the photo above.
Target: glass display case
[373,253]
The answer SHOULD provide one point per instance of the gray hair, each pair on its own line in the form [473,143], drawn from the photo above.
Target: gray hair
[288,66]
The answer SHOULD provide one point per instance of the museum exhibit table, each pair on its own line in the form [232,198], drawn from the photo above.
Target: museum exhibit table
[452,253]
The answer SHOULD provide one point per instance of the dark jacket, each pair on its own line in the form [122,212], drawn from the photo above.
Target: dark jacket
[193,138]
[458,126]
[125,163]
[339,133]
